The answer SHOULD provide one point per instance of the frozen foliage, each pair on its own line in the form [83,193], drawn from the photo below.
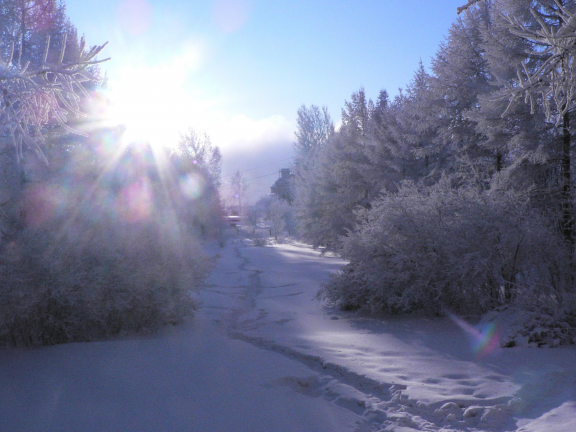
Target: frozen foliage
[45,75]
[103,238]
[237,189]
[338,175]
[84,281]
[196,149]
[536,327]
[314,128]
[458,194]
[467,5]
[279,210]
[32,97]
[443,248]
[196,167]
[554,78]
[98,252]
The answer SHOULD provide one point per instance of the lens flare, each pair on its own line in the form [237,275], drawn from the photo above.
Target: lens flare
[485,338]
[135,201]
[191,185]
[135,16]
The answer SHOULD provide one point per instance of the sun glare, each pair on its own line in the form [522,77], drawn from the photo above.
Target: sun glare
[148,102]
[153,102]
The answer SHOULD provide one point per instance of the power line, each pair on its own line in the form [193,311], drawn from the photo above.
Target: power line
[262,166]
[270,163]
[265,175]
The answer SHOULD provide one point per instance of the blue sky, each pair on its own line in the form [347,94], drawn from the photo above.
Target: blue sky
[239,69]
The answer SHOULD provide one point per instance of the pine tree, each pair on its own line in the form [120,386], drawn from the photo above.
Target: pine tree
[389,156]
[419,120]
[44,72]
[458,82]
[532,59]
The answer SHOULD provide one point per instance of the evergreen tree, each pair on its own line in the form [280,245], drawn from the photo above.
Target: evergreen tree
[44,72]
[459,81]
[419,120]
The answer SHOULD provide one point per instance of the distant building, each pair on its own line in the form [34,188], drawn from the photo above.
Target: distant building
[234,221]
[284,186]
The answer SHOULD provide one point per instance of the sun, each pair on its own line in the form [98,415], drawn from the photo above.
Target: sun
[154,97]
[150,103]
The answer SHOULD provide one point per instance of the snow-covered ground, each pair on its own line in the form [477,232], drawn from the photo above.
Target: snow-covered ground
[262,355]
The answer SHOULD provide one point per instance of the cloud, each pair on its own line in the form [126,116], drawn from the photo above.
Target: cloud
[258,148]
[249,135]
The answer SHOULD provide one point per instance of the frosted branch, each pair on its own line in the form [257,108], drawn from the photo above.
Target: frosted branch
[555,79]
[466,6]
[31,98]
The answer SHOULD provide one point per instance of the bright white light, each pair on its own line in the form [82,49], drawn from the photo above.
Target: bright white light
[249,134]
[158,100]
[154,102]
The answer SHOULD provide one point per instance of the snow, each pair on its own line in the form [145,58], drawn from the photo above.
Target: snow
[263,355]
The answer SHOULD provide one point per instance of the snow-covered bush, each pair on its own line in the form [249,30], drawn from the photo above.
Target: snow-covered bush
[537,326]
[100,238]
[79,271]
[458,249]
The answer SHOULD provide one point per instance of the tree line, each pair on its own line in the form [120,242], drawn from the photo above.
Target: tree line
[457,194]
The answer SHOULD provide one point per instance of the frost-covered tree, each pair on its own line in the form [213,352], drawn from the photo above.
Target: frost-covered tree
[278,213]
[237,189]
[32,98]
[315,126]
[536,41]
[366,154]
[419,121]
[552,82]
[44,74]
[198,150]
[334,181]
[459,80]
[197,165]
[386,148]
[27,24]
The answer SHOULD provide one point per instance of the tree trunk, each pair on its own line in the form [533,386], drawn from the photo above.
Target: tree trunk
[566,196]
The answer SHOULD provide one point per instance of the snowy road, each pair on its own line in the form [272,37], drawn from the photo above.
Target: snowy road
[261,355]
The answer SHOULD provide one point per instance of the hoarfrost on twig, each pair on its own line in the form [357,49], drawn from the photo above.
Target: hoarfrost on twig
[30,98]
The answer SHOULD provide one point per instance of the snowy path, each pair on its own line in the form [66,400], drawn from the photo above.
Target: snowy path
[396,373]
[190,378]
[261,355]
